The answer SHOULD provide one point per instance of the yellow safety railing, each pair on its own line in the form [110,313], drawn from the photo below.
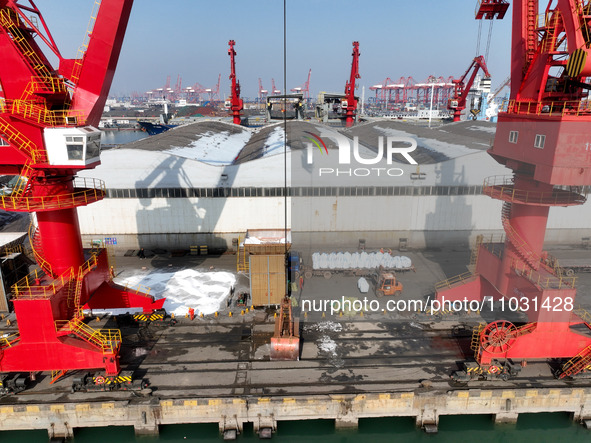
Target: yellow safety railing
[82,49]
[91,190]
[585,315]
[9,340]
[544,282]
[139,289]
[40,114]
[83,270]
[12,249]
[475,250]
[549,23]
[44,264]
[47,84]
[502,187]
[22,181]
[11,21]
[453,281]
[31,285]
[550,108]
[108,340]
[475,341]
[242,264]
[516,239]
[22,143]
[577,363]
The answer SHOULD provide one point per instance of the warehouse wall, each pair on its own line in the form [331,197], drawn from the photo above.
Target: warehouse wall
[334,221]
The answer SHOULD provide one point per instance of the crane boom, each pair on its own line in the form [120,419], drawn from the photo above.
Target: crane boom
[462,86]
[48,119]
[236,104]
[351,105]
[93,74]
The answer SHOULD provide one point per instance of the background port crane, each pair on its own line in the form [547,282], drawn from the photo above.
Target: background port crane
[305,88]
[274,90]
[236,105]
[351,101]
[48,120]
[462,86]
[214,93]
[262,92]
[543,137]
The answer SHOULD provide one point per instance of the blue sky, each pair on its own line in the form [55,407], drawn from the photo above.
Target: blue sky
[397,38]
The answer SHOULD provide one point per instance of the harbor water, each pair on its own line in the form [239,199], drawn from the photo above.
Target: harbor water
[539,428]
[121,137]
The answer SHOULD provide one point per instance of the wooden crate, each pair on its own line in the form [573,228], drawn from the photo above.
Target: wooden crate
[267,279]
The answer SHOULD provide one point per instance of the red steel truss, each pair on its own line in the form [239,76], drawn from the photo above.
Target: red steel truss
[543,137]
[48,118]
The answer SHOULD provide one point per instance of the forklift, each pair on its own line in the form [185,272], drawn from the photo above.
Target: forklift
[387,284]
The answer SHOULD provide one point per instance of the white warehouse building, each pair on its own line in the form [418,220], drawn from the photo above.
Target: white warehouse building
[208,182]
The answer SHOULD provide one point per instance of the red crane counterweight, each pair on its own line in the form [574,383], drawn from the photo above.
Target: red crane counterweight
[491,9]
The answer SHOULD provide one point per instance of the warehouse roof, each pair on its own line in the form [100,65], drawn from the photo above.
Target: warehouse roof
[219,154]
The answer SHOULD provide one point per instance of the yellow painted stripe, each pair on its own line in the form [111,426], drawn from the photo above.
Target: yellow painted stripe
[289,400]
[214,402]
[57,408]
[384,396]
[576,62]
[81,407]
[190,402]
[6,410]
[531,393]
[108,406]
[32,409]
[166,403]
[407,395]
[463,394]
[263,400]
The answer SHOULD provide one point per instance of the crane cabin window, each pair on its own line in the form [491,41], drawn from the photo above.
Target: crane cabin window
[540,141]
[75,148]
[513,136]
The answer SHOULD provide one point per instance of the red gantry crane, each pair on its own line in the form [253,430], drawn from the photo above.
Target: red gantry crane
[350,104]
[543,136]
[262,92]
[274,90]
[462,87]
[235,104]
[48,120]
[305,88]
[214,93]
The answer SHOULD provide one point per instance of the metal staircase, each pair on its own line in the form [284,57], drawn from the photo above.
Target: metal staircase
[21,36]
[37,248]
[576,364]
[22,143]
[530,257]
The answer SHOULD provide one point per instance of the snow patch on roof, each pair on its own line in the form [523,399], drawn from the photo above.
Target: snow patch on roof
[275,142]
[217,148]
